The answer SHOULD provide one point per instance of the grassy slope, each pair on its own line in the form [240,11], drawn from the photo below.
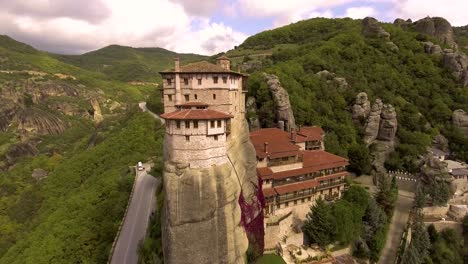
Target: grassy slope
[128,64]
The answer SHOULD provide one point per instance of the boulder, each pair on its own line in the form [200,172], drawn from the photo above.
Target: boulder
[460,120]
[402,23]
[252,118]
[361,107]
[371,28]
[437,27]
[331,77]
[20,150]
[283,109]
[97,114]
[39,174]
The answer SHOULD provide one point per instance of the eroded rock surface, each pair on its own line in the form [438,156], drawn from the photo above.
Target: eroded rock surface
[438,27]
[251,108]
[331,77]
[371,28]
[202,212]
[460,120]
[457,63]
[361,108]
[283,109]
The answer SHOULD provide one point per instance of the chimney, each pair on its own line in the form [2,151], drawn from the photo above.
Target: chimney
[177,65]
[265,147]
[299,128]
[293,135]
[224,62]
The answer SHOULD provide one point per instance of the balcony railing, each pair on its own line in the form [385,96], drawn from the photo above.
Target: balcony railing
[304,193]
[306,177]
[331,184]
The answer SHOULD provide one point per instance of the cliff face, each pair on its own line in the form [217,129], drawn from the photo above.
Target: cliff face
[284,113]
[202,215]
[460,120]
[438,27]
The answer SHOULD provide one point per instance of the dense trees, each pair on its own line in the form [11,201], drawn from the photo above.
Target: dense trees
[417,250]
[446,247]
[405,79]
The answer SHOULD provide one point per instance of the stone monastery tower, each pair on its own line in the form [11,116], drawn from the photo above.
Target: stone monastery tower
[209,163]
[201,100]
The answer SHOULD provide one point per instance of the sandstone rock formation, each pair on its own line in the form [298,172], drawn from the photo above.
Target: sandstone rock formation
[434,169]
[39,122]
[284,110]
[393,47]
[252,119]
[438,27]
[402,23]
[371,28]
[205,217]
[458,63]
[361,108]
[20,150]
[460,120]
[97,114]
[380,128]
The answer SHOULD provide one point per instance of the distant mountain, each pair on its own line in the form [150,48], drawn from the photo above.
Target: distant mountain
[128,64]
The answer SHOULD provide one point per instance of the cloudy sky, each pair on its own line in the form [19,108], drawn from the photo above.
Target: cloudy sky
[198,26]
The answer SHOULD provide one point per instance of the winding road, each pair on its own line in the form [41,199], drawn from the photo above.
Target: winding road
[142,205]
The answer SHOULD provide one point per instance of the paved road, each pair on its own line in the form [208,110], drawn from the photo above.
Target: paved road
[134,228]
[143,108]
[399,220]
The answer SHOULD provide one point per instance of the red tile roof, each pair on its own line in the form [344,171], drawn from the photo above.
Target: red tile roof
[288,188]
[279,143]
[309,134]
[195,114]
[268,192]
[264,172]
[201,67]
[320,159]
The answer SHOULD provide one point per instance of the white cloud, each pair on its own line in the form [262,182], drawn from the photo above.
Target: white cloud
[360,12]
[135,23]
[453,10]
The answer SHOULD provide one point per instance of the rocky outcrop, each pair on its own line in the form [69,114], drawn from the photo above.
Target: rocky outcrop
[388,123]
[252,119]
[20,150]
[438,27]
[434,169]
[380,128]
[284,113]
[457,63]
[97,114]
[211,214]
[460,120]
[38,122]
[440,142]
[371,28]
[361,107]
[373,122]
[330,77]
[39,174]
[430,48]
[402,23]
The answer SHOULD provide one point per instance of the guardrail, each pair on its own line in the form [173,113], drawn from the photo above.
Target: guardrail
[116,238]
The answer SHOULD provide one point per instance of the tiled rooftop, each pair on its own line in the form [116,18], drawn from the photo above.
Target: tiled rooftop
[193,104]
[196,114]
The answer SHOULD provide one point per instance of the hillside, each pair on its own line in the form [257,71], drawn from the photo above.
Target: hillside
[461,34]
[67,139]
[405,76]
[128,64]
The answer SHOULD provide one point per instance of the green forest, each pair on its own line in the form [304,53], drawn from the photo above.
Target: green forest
[403,78]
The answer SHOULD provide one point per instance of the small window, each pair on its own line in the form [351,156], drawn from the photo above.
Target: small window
[286,204]
[199,81]
[224,79]
[186,81]
[195,124]
[187,124]
[212,124]
[187,138]
[214,96]
[169,97]
[196,96]
[216,137]
[219,123]
[169,81]
[215,79]
[295,202]
[187,97]
[178,124]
